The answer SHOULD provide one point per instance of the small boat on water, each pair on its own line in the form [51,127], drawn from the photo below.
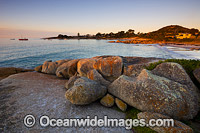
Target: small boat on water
[23,39]
[12,39]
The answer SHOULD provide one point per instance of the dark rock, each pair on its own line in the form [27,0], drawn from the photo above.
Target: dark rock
[196,74]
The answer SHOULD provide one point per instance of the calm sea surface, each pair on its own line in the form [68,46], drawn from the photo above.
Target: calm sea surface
[28,54]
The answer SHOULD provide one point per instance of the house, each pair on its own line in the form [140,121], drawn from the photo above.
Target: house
[183,35]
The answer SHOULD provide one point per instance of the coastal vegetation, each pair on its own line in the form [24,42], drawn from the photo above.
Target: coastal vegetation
[170,33]
[173,33]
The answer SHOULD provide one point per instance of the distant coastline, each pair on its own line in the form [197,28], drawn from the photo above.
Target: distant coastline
[173,35]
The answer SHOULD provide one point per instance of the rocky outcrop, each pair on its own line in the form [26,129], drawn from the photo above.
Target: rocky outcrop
[178,127]
[149,92]
[85,91]
[42,94]
[67,69]
[107,100]
[96,76]
[120,104]
[109,66]
[196,74]
[50,67]
[7,71]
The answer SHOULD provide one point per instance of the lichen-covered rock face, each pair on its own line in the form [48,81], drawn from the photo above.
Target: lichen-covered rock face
[71,81]
[38,68]
[196,74]
[96,76]
[60,62]
[120,104]
[110,67]
[50,67]
[67,69]
[178,127]
[175,72]
[149,92]
[84,66]
[134,70]
[107,100]
[85,91]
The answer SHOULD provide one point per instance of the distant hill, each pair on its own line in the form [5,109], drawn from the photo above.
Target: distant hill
[169,31]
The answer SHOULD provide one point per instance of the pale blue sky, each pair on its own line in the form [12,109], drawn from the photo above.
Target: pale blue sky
[92,16]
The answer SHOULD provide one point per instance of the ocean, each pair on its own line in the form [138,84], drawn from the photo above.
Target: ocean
[31,53]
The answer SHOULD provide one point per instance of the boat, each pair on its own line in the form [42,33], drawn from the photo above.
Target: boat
[12,39]
[23,39]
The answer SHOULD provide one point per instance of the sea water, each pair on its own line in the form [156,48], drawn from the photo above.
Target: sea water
[31,53]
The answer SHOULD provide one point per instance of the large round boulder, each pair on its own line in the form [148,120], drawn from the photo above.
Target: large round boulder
[149,92]
[175,72]
[85,91]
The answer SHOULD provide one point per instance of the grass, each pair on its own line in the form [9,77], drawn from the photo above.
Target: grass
[131,113]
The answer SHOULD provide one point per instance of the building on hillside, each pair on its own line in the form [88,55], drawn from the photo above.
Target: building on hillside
[183,35]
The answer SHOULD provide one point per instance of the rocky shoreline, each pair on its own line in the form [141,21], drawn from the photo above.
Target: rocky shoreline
[7,71]
[187,45]
[164,92]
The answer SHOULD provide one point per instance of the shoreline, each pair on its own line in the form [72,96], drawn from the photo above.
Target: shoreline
[137,40]
[7,71]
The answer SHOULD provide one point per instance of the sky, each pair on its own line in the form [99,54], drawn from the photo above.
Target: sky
[43,18]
